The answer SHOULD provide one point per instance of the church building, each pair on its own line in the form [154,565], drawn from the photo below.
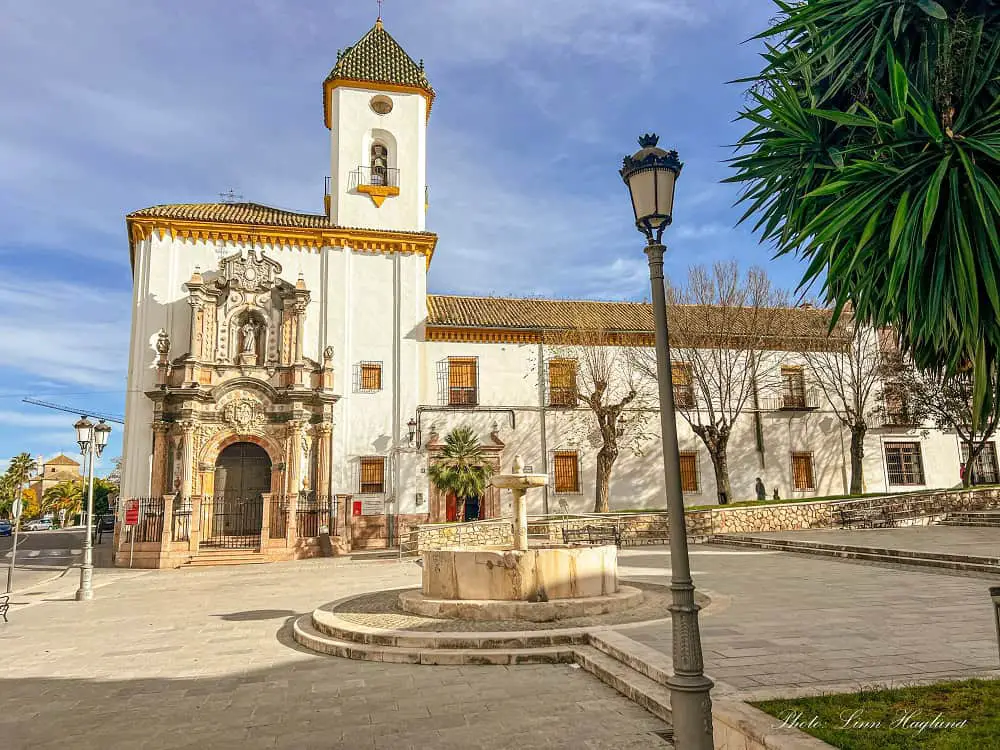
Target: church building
[290,374]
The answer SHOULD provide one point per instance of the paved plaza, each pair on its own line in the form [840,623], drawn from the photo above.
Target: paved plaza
[948,540]
[204,658]
[784,621]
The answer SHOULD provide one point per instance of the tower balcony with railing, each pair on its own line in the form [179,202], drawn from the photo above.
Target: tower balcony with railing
[377,182]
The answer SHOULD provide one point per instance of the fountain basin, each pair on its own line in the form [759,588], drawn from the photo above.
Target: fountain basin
[532,575]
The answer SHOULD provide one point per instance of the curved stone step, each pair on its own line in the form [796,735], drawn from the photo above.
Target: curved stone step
[330,624]
[306,635]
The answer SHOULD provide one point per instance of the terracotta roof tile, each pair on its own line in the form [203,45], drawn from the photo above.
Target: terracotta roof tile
[249,214]
[547,314]
[61,460]
[234,213]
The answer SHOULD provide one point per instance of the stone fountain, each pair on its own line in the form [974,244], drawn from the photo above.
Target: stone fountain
[543,582]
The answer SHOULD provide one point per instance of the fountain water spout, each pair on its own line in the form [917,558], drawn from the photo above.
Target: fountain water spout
[518,483]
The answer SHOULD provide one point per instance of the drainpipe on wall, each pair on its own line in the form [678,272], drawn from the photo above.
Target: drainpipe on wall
[758,427]
[542,427]
[396,395]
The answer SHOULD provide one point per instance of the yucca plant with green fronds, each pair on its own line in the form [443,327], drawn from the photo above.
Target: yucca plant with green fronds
[873,152]
[461,469]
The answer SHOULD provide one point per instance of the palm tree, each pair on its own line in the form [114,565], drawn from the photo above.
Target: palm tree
[461,470]
[873,152]
[21,468]
[66,496]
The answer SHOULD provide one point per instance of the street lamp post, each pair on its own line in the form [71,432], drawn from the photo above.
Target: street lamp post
[92,441]
[651,175]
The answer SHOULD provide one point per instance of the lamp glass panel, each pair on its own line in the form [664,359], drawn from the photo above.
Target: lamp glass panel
[84,432]
[665,181]
[643,187]
[101,434]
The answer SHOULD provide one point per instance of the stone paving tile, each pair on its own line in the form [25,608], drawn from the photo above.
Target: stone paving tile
[205,659]
[791,619]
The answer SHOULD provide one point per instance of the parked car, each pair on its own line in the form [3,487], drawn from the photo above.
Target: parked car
[105,523]
[5,528]
[41,524]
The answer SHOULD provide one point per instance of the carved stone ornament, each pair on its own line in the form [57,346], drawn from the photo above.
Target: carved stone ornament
[250,271]
[162,342]
[328,353]
[245,415]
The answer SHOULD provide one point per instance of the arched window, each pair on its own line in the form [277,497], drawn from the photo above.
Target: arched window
[380,164]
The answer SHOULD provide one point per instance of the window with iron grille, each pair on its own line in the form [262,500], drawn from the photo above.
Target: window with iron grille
[368,377]
[802,471]
[683,377]
[562,382]
[372,475]
[793,394]
[567,471]
[463,381]
[904,464]
[985,468]
[689,471]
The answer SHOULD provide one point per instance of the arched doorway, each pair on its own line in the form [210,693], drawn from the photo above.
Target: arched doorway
[233,516]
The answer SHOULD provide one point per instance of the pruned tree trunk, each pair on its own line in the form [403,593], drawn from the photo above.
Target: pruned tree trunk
[857,454]
[973,451]
[720,463]
[606,458]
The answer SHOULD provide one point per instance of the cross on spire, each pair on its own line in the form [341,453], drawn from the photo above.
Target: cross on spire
[379,9]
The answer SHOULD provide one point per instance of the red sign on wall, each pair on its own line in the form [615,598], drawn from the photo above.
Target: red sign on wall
[356,508]
[132,513]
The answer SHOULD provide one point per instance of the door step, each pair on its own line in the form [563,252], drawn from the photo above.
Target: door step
[211,558]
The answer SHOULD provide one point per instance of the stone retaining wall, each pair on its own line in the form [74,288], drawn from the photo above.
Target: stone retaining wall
[497,533]
[702,524]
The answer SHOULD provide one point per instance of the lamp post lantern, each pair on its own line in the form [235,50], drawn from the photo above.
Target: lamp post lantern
[92,440]
[651,176]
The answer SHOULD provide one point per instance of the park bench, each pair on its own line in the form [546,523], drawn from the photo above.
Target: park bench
[593,535]
[850,518]
[646,536]
[4,606]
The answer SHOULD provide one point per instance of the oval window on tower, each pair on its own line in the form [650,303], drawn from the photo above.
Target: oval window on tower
[381,104]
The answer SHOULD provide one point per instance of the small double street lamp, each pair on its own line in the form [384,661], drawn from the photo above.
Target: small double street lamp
[651,175]
[92,440]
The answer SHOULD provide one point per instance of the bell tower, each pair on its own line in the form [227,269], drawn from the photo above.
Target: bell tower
[377,102]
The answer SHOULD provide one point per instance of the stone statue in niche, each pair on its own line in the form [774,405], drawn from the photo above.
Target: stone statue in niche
[249,337]
[248,352]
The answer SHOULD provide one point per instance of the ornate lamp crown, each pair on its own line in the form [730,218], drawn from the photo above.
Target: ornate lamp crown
[649,140]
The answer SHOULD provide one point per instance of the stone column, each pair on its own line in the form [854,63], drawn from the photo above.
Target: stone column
[324,433]
[187,456]
[167,533]
[520,520]
[158,479]
[293,464]
[265,521]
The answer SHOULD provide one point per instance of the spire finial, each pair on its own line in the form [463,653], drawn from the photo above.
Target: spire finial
[378,21]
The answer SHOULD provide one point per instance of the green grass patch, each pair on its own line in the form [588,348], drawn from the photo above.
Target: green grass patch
[947,716]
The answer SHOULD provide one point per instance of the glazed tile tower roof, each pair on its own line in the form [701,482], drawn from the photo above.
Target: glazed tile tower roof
[378,58]
[784,323]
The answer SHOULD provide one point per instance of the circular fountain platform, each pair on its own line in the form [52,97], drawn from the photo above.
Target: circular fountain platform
[539,584]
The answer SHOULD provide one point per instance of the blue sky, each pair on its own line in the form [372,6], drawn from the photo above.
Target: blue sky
[110,106]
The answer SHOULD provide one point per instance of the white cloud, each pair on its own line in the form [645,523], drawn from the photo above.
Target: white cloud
[64,332]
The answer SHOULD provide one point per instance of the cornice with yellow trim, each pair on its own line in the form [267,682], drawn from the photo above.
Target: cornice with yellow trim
[568,337]
[360,240]
[393,88]
[533,336]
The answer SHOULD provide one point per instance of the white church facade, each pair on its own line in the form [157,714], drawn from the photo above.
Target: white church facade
[290,371]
